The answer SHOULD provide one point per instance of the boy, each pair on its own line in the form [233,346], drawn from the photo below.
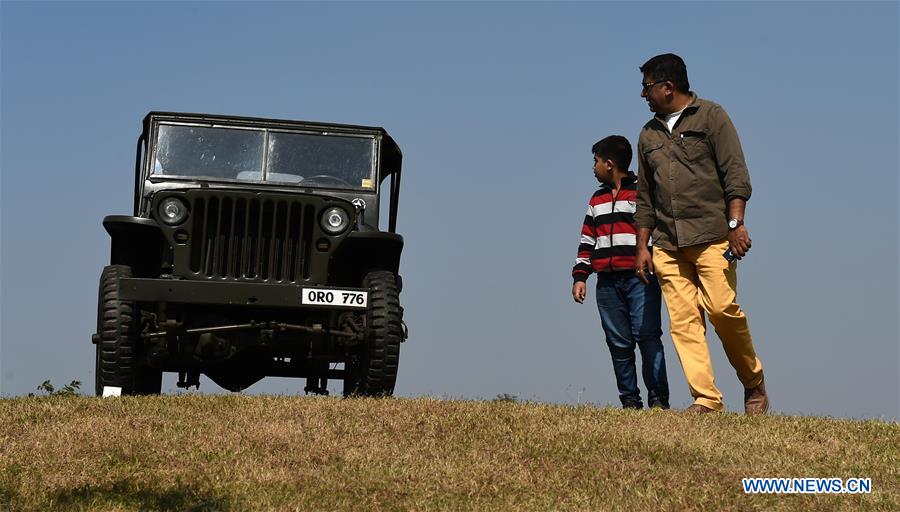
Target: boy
[629,309]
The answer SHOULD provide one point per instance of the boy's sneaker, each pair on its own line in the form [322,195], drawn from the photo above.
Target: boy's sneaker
[632,405]
[659,404]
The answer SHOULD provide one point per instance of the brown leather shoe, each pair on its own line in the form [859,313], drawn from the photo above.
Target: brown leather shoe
[699,409]
[756,401]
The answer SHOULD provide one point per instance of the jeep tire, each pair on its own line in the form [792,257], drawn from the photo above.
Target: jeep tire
[119,347]
[374,373]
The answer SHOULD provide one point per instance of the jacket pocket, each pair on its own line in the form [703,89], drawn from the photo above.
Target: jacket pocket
[694,143]
[655,156]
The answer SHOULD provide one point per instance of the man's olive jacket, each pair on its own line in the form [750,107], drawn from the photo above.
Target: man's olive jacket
[685,178]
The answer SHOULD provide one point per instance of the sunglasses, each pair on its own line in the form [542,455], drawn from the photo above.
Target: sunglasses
[646,87]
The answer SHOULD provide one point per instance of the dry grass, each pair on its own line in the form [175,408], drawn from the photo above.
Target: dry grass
[289,453]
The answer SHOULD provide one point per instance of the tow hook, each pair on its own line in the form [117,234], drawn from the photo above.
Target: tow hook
[312,388]
[188,379]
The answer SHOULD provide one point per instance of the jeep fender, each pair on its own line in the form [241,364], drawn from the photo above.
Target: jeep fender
[136,242]
[363,251]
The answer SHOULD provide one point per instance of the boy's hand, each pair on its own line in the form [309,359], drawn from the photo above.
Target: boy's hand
[579,291]
[643,264]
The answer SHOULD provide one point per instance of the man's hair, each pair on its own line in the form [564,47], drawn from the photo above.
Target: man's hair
[668,66]
[615,148]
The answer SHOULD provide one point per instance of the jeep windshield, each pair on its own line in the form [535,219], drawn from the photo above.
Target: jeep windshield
[264,155]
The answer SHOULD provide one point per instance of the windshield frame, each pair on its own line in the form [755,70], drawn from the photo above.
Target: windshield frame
[266,130]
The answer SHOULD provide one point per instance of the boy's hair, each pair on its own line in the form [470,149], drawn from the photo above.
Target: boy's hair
[668,66]
[615,148]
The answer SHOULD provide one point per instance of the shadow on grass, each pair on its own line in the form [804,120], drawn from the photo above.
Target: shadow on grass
[133,495]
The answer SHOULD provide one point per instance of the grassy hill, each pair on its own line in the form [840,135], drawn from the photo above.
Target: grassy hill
[291,453]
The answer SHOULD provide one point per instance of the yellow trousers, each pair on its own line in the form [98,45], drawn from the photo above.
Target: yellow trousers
[697,279]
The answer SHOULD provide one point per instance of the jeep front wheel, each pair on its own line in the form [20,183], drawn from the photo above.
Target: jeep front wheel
[119,345]
[374,373]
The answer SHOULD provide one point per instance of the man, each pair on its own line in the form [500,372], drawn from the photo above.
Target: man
[693,186]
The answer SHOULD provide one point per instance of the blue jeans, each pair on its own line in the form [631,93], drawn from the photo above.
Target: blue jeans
[630,315]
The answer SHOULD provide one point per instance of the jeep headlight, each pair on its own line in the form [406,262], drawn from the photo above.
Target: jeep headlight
[335,220]
[172,211]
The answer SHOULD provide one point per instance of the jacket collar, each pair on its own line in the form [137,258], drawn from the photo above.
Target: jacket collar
[694,104]
[691,107]
[628,179]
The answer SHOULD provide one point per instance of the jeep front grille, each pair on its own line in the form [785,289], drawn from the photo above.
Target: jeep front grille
[251,238]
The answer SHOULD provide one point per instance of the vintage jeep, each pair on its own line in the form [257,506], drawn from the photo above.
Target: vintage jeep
[254,250]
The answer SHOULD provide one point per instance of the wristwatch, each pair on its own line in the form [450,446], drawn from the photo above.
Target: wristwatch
[735,223]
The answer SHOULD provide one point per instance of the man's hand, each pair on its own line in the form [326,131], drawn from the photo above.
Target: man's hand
[739,241]
[579,291]
[643,263]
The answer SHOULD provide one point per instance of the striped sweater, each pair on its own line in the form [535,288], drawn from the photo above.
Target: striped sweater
[608,235]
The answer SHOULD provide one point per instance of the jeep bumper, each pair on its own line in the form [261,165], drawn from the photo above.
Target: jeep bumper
[242,294]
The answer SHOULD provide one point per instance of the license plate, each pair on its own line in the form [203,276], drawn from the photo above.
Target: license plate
[334,297]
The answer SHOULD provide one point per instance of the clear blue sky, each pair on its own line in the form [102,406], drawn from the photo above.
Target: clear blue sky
[495,106]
